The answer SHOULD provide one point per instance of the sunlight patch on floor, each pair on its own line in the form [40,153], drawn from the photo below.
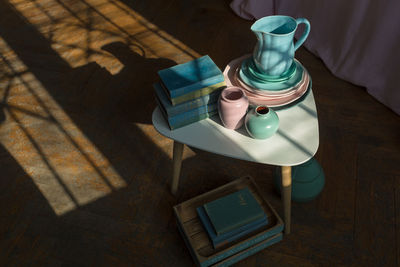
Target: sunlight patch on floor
[63,163]
[66,167]
[78,31]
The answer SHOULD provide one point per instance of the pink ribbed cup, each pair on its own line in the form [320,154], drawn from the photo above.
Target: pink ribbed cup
[232,107]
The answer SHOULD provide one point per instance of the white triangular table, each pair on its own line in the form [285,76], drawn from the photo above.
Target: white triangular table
[295,142]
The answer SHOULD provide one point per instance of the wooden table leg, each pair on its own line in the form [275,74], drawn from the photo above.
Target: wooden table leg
[177,163]
[286,194]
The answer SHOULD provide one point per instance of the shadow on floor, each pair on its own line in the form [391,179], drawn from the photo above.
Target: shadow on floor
[127,226]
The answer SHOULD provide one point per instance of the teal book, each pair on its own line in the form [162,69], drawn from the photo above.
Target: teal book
[239,251]
[191,76]
[195,94]
[234,210]
[199,103]
[250,251]
[223,239]
[188,117]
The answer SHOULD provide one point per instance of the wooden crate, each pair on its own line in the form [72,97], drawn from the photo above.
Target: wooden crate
[200,245]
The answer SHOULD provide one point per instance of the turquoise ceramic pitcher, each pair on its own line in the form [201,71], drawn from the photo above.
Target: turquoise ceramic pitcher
[274,52]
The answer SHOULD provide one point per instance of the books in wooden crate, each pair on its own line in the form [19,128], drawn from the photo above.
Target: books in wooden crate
[225,238]
[233,211]
[231,217]
[200,246]
[249,251]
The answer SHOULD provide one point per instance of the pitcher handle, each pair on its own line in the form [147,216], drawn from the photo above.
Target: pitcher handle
[304,36]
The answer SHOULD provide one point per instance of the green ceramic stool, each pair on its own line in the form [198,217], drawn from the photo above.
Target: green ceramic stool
[308,180]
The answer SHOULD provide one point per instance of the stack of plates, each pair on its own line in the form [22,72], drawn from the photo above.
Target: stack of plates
[260,89]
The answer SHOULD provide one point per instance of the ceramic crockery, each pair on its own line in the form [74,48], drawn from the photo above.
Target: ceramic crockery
[232,107]
[249,67]
[298,89]
[274,51]
[278,102]
[231,79]
[261,122]
[272,86]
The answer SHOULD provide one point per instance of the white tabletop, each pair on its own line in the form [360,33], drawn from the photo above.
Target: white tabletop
[295,142]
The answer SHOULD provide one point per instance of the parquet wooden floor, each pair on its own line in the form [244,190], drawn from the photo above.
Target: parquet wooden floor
[84,176]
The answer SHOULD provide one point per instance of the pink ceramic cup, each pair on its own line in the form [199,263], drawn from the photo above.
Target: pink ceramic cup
[232,107]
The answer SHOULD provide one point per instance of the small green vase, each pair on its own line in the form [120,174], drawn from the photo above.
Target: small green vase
[261,122]
[308,180]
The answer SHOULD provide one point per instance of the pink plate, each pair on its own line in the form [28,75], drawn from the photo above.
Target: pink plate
[262,93]
[256,97]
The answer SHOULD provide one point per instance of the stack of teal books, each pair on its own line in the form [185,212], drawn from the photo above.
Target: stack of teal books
[189,92]
[231,214]
[231,217]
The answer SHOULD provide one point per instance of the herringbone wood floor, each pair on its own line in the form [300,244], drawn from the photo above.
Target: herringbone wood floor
[84,177]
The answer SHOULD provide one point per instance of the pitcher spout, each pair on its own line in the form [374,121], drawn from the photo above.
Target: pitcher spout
[258,33]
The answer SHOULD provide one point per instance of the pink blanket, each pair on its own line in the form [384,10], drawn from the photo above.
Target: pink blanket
[358,40]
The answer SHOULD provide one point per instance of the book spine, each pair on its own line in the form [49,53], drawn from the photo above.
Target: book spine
[181,123]
[242,246]
[196,103]
[199,102]
[196,94]
[162,109]
[250,251]
[211,81]
[161,94]
[186,110]
[194,113]
[182,120]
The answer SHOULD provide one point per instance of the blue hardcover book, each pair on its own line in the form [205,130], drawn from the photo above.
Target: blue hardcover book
[220,240]
[200,102]
[263,240]
[191,76]
[188,117]
[234,210]
[195,94]
[250,251]
[196,237]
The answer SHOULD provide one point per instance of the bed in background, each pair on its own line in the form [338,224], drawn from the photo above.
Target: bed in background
[358,40]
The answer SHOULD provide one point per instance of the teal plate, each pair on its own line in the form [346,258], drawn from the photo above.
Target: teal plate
[249,67]
[272,86]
